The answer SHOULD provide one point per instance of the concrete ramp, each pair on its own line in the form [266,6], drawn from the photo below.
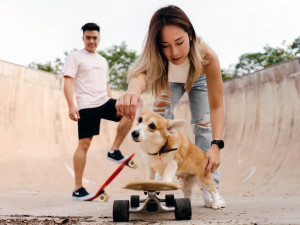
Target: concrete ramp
[37,138]
[261,157]
[262,130]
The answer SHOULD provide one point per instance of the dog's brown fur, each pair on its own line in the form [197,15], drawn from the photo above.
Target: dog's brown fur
[190,161]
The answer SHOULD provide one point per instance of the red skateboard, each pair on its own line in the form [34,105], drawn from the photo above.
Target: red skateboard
[101,192]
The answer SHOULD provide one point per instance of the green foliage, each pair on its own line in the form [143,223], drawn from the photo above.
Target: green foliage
[296,46]
[227,74]
[119,59]
[251,62]
[56,67]
[48,67]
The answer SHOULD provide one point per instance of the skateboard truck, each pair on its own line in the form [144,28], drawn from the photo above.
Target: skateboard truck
[152,204]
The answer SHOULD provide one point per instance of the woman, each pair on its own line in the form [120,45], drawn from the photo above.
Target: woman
[175,60]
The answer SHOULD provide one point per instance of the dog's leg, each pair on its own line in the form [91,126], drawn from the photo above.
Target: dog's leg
[151,173]
[170,171]
[208,184]
[187,185]
[216,201]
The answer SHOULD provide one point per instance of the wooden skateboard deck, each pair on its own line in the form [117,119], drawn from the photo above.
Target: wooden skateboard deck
[111,178]
[151,185]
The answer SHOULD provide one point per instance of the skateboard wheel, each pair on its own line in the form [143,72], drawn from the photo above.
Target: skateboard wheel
[131,164]
[103,197]
[183,209]
[121,211]
[134,201]
[170,200]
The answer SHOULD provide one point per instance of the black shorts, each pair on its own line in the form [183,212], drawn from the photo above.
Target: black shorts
[89,122]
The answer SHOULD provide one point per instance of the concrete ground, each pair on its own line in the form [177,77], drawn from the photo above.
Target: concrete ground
[59,208]
[259,170]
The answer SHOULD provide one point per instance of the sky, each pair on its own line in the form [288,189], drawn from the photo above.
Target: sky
[42,30]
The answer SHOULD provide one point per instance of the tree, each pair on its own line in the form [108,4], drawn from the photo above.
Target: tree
[296,46]
[119,60]
[251,62]
[248,63]
[48,67]
[228,74]
[56,67]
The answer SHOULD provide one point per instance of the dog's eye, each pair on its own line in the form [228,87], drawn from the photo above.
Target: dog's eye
[140,120]
[152,126]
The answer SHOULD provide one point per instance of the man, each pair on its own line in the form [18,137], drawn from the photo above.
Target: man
[86,72]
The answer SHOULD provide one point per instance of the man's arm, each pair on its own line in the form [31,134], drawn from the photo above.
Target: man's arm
[68,90]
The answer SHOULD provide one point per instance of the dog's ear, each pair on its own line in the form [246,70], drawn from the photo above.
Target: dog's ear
[175,125]
[140,108]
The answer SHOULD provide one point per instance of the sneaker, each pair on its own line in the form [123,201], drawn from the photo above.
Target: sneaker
[116,156]
[81,194]
[209,202]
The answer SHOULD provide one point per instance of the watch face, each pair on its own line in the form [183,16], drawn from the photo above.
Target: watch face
[221,144]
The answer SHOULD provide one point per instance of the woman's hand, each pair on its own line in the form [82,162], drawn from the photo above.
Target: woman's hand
[128,103]
[213,159]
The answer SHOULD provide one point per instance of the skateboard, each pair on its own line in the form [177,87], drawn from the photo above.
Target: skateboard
[152,204]
[101,192]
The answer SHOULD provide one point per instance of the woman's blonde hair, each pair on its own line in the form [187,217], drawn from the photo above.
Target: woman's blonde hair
[152,61]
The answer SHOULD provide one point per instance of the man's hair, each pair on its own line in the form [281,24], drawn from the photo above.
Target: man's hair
[90,26]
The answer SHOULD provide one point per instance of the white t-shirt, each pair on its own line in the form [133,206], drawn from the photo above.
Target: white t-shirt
[179,73]
[90,71]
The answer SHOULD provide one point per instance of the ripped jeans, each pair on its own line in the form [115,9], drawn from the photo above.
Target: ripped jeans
[200,114]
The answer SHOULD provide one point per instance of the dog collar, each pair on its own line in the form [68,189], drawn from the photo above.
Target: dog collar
[163,150]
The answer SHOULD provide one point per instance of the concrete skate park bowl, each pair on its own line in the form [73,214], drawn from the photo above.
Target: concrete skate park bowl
[260,178]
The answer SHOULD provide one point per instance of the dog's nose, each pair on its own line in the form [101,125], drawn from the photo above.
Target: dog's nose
[135,134]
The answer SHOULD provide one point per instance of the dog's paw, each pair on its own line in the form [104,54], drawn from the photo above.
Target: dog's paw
[219,204]
[215,201]
[216,205]
[208,205]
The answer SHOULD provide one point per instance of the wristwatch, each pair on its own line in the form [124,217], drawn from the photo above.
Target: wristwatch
[220,143]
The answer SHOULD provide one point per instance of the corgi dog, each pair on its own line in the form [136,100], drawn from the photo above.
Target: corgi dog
[167,151]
